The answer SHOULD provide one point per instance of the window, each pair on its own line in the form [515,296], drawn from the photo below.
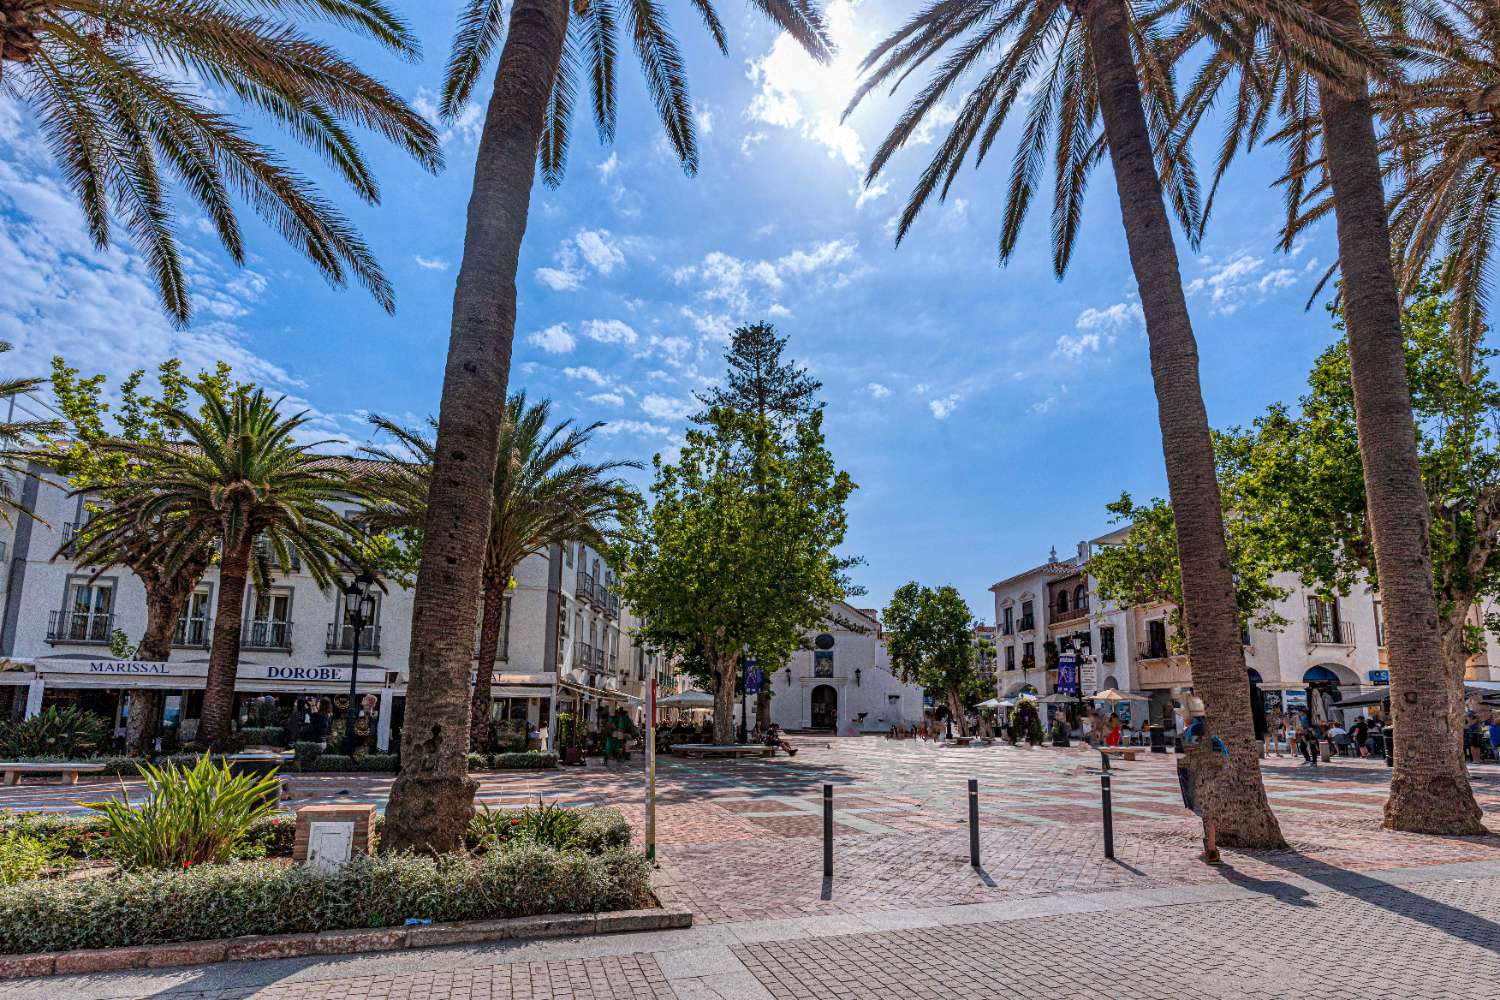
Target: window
[1027,619]
[192,627]
[1028,656]
[1010,621]
[568,553]
[270,620]
[1107,644]
[1080,598]
[1379,625]
[1323,625]
[1156,639]
[87,614]
[344,637]
[1062,602]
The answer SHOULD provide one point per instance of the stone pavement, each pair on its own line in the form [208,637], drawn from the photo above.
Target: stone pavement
[740,844]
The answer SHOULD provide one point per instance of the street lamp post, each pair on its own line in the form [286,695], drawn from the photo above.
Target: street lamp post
[359,602]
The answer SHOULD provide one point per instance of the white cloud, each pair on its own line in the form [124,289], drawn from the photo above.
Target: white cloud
[746,286]
[431,263]
[597,249]
[560,279]
[674,349]
[827,254]
[703,117]
[1044,406]
[641,427]
[943,408]
[609,331]
[1074,348]
[554,340]
[607,399]
[466,126]
[1237,279]
[665,408]
[714,326]
[1116,317]
[866,193]
[590,374]
[610,166]
[877,390]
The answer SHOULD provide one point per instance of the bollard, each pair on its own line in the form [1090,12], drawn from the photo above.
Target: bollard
[828,831]
[1388,737]
[1109,819]
[974,822]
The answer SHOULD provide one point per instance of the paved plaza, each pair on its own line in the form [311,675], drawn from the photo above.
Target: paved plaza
[1351,907]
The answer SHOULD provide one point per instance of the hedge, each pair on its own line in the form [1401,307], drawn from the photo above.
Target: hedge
[262,736]
[526,759]
[264,897]
[86,838]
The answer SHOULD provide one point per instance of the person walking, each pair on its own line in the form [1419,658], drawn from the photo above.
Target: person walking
[1308,741]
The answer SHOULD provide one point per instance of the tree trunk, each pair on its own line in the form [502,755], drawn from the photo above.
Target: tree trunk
[433,796]
[763,705]
[956,709]
[725,700]
[163,607]
[1430,790]
[224,657]
[1234,795]
[1451,640]
[489,648]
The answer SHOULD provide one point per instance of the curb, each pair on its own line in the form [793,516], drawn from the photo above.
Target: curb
[341,942]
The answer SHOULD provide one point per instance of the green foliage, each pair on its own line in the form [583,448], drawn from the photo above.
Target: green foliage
[533,759]
[264,897]
[87,838]
[193,816]
[24,857]
[737,550]
[1141,569]
[53,732]
[263,736]
[592,831]
[930,636]
[570,731]
[305,752]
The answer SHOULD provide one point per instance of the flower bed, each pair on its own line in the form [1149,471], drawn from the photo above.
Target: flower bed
[266,897]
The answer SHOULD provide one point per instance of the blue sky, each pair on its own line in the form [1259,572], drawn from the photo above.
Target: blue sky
[987,414]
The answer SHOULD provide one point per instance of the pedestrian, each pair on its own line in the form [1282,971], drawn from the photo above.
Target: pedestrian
[1307,741]
[1493,730]
[1113,737]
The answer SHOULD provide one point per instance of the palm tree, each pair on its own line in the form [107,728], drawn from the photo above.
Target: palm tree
[1087,64]
[17,439]
[111,84]
[240,477]
[1311,70]
[548,45]
[543,495]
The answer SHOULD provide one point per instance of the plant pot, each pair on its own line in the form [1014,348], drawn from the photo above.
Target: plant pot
[1060,742]
[572,755]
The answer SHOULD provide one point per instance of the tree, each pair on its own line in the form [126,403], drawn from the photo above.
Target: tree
[527,124]
[732,560]
[544,494]
[1081,65]
[759,383]
[240,476]
[930,636]
[1295,477]
[112,536]
[1310,68]
[119,89]
[1142,568]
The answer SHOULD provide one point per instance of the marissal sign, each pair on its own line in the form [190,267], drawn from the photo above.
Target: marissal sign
[127,667]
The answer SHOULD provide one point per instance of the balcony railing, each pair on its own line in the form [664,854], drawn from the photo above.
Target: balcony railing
[194,632]
[1154,651]
[70,529]
[599,657]
[585,586]
[1008,628]
[584,655]
[341,639]
[1071,615]
[502,649]
[79,626]
[267,635]
[1027,623]
[1328,633]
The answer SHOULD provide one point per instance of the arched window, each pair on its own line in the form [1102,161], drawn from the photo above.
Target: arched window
[1080,597]
[1062,601]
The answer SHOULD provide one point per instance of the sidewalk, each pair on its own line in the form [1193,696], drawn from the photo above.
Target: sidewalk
[1425,932]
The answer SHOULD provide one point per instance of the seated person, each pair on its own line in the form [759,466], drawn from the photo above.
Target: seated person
[773,739]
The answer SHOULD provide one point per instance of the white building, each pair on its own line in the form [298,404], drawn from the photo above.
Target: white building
[564,646]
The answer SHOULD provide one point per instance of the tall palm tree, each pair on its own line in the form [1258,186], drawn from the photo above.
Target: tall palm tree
[1087,64]
[111,84]
[548,45]
[1310,71]
[543,495]
[241,477]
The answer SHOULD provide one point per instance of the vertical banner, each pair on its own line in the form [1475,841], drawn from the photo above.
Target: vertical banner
[1067,674]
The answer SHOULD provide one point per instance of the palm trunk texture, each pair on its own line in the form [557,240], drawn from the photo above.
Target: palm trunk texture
[484,674]
[224,657]
[1430,790]
[1233,794]
[433,796]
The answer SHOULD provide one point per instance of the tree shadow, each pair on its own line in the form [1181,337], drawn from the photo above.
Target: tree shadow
[1283,891]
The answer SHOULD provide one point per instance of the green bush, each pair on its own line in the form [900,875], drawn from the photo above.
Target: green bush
[193,816]
[602,829]
[332,762]
[530,758]
[261,897]
[263,736]
[340,762]
[306,752]
[24,857]
[591,831]
[53,732]
[86,838]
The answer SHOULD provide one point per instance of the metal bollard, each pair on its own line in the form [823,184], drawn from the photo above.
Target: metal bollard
[974,822]
[1109,818]
[828,831]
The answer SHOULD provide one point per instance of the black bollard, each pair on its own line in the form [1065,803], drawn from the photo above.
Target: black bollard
[1109,819]
[828,831]
[974,822]
[1388,737]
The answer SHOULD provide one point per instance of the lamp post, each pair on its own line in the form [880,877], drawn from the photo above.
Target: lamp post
[359,603]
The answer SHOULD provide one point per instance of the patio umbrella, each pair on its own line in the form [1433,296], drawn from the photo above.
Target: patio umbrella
[1057,698]
[991,703]
[1112,695]
[688,699]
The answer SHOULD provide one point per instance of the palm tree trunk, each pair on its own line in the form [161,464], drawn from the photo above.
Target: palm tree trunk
[1430,790]
[433,796]
[1234,795]
[143,706]
[224,657]
[489,648]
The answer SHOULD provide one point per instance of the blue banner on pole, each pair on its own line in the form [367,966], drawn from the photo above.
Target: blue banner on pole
[1067,674]
[754,679]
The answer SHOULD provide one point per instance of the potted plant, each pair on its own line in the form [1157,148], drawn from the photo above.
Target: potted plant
[1059,732]
[570,738]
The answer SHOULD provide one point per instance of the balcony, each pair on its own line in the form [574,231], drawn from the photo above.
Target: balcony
[1027,623]
[583,655]
[193,633]
[599,657]
[502,648]
[1329,634]
[585,586]
[267,635]
[263,550]
[341,639]
[1008,628]
[611,604]
[70,529]
[1153,651]
[82,627]
[1071,615]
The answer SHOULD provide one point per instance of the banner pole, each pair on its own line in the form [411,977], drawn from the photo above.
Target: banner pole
[651,769]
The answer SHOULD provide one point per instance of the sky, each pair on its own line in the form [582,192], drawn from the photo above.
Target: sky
[987,414]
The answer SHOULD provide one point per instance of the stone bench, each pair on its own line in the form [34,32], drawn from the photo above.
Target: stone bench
[1124,753]
[722,750]
[67,773]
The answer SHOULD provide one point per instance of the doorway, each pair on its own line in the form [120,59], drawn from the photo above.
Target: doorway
[825,707]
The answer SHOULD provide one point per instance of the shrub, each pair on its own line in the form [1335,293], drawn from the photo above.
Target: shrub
[263,736]
[53,732]
[262,897]
[591,831]
[478,761]
[305,753]
[332,762]
[531,758]
[193,816]
[602,829]
[268,837]
[117,765]
[24,857]
[80,838]
[340,762]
